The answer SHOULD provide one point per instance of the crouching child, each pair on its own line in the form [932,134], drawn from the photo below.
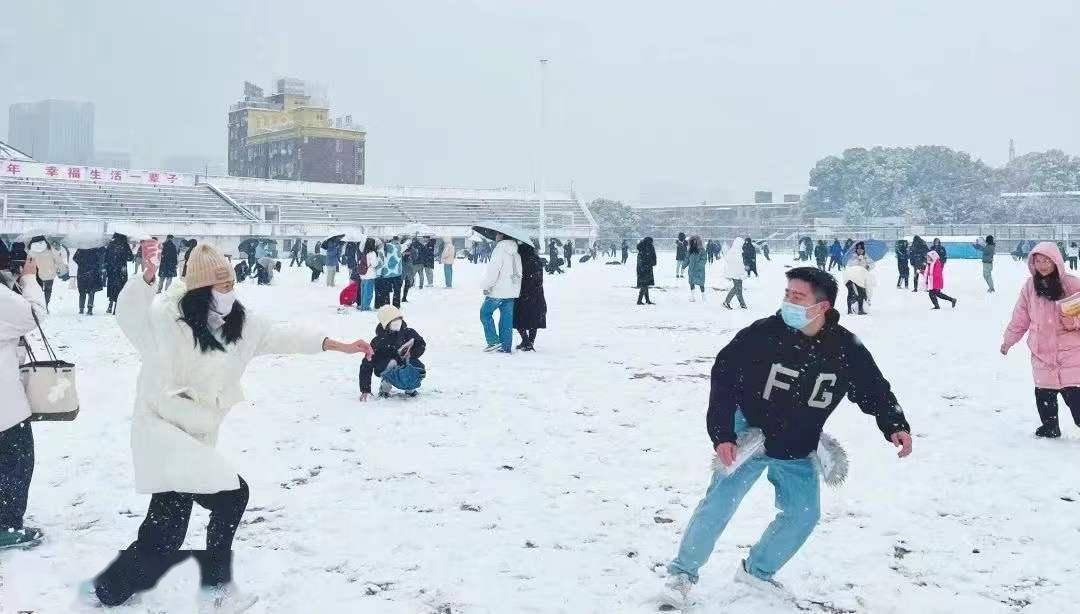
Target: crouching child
[396,359]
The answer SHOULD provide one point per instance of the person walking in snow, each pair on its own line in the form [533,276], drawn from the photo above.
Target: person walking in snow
[396,358]
[735,270]
[447,256]
[429,260]
[332,251]
[764,250]
[49,263]
[366,271]
[918,251]
[1052,336]
[695,266]
[88,278]
[987,250]
[117,256]
[22,306]
[195,343]
[836,255]
[568,253]
[680,255]
[934,278]
[294,252]
[857,277]
[388,283]
[1072,254]
[821,253]
[169,260]
[902,268]
[784,375]
[749,256]
[530,308]
[646,260]
[625,251]
[501,286]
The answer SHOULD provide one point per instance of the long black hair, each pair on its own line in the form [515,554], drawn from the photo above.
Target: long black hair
[194,309]
[1049,286]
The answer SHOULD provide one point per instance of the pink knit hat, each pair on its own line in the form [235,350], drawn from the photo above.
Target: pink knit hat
[207,267]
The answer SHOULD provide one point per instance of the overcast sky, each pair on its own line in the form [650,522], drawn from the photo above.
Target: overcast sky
[648,101]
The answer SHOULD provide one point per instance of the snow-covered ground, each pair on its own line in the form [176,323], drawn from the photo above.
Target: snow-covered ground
[556,481]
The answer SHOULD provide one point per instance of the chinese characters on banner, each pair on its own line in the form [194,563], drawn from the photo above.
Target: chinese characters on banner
[38,170]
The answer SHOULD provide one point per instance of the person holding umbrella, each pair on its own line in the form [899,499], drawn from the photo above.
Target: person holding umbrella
[530,309]
[501,286]
[332,247]
[117,256]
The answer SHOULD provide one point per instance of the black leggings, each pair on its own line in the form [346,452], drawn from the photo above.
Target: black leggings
[528,335]
[1046,403]
[157,549]
[855,294]
[643,295]
[16,471]
[938,294]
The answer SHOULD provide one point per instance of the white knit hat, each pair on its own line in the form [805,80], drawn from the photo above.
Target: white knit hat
[387,314]
[207,267]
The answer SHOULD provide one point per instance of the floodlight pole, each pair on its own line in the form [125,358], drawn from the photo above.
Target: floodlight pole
[542,149]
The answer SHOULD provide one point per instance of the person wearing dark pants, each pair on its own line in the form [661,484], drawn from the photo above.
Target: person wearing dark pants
[1047,404]
[89,278]
[735,292]
[162,532]
[646,260]
[16,471]
[935,279]
[856,294]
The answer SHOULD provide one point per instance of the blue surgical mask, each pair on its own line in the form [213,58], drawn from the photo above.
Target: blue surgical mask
[795,315]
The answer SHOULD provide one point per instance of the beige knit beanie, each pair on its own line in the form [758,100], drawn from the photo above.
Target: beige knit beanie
[207,267]
[387,314]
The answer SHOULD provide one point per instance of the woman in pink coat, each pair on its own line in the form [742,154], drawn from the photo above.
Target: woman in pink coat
[1053,338]
[935,279]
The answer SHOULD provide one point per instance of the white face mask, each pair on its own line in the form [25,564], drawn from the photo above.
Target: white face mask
[395,325]
[223,301]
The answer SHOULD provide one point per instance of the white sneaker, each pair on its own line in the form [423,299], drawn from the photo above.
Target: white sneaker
[493,347]
[225,599]
[676,590]
[769,587]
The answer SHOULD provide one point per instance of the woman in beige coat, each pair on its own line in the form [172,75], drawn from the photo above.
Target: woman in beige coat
[447,257]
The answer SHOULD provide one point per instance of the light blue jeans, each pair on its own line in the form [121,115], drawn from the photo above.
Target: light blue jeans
[367,293]
[797,497]
[448,275]
[505,307]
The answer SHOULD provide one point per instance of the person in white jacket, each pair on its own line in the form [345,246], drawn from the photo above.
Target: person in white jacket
[195,342]
[449,253]
[49,263]
[502,285]
[735,270]
[18,307]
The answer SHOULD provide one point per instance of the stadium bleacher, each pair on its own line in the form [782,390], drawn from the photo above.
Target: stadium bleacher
[52,198]
[293,204]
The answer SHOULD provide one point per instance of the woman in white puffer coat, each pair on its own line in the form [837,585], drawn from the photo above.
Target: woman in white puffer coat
[195,342]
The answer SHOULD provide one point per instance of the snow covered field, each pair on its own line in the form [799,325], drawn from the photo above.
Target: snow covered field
[555,481]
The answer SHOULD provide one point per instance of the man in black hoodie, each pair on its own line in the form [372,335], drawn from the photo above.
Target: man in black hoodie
[785,375]
[396,358]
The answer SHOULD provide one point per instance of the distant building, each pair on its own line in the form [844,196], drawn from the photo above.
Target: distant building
[762,197]
[792,198]
[717,219]
[59,131]
[290,135]
[194,164]
[112,159]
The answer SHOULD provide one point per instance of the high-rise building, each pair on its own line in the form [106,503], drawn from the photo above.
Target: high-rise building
[290,135]
[59,131]
[762,197]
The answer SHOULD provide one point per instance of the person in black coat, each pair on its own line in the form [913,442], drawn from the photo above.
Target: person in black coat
[646,260]
[530,308]
[117,256]
[902,258]
[89,278]
[749,257]
[940,249]
[395,345]
[187,254]
[568,251]
[169,259]
[918,252]
[821,253]
[625,251]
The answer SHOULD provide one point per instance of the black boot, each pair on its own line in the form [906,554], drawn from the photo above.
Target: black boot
[1050,431]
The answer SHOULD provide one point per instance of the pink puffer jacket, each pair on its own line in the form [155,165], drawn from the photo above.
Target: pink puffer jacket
[1054,340]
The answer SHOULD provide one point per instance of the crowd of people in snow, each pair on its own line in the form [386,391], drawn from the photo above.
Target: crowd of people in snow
[773,385]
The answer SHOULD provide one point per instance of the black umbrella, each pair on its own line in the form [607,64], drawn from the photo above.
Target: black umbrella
[507,230]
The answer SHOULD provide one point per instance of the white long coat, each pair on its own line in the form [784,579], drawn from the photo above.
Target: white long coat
[17,319]
[173,439]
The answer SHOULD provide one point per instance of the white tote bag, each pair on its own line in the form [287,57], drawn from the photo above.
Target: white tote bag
[49,384]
